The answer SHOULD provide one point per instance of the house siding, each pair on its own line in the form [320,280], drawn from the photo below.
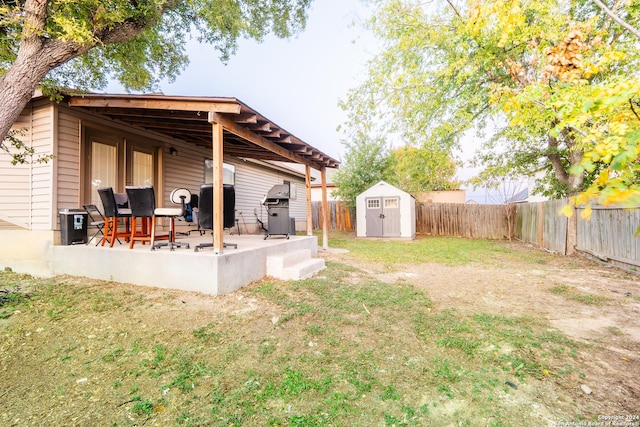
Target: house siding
[15,189]
[42,173]
[32,195]
[68,162]
[25,197]
[253,183]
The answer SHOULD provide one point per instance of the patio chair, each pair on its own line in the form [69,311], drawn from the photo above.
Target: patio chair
[179,196]
[112,213]
[142,202]
[205,211]
[97,221]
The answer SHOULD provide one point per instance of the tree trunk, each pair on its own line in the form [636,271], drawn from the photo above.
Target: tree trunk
[38,55]
[16,89]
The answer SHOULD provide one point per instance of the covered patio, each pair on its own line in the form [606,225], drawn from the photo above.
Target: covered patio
[200,129]
[226,125]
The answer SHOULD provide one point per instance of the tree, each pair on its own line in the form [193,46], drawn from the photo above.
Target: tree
[366,163]
[549,80]
[84,43]
[416,170]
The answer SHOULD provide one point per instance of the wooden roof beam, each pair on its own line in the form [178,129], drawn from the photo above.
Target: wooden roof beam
[154,104]
[246,118]
[272,134]
[265,127]
[258,140]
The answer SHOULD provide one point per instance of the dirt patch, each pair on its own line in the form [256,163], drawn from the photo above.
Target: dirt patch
[605,316]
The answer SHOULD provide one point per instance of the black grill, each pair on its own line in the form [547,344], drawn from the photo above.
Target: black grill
[277,204]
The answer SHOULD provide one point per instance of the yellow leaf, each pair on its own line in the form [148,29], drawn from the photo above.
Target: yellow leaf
[567,210]
[586,213]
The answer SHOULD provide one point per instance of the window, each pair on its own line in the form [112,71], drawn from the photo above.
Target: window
[228,173]
[104,169]
[142,173]
[373,203]
[391,203]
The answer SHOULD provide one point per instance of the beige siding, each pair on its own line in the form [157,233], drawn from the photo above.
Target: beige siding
[253,183]
[42,175]
[25,196]
[68,162]
[185,170]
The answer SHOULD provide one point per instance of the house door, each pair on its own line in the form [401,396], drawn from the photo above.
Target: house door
[383,216]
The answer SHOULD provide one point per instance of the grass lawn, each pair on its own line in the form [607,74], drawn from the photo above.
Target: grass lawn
[342,349]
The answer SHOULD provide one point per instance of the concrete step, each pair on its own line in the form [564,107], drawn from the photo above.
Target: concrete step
[277,263]
[293,265]
[303,270]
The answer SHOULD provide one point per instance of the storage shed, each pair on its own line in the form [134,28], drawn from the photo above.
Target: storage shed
[385,211]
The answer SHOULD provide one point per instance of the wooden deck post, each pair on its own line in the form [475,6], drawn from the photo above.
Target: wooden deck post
[325,210]
[307,181]
[218,219]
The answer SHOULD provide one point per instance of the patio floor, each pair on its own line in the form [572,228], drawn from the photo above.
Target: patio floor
[202,271]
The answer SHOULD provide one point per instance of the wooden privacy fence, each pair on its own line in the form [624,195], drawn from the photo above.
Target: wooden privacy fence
[339,216]
[465,220]
[543,225]
[610,234]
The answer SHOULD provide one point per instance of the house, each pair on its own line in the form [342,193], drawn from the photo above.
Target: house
[385,211]
[443,196]
[166,141]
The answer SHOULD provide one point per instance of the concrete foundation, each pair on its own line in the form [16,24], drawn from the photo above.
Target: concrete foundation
[182,268]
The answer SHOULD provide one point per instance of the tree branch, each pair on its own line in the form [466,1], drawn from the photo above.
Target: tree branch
[454,9]
[615,17]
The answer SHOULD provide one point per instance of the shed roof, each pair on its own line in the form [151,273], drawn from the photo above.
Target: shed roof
[383,188]
[247,133]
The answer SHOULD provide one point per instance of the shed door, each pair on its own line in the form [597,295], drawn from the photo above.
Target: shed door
[391,217]
[374,217]
[383,216]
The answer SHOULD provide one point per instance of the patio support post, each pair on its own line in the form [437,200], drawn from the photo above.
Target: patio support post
[325,210]
[307,181]
[218,222]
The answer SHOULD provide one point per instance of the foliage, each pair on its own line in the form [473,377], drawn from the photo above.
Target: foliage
[84,44]
[553,83]
[416,170]
[140,42]
[20,152]
[366,163]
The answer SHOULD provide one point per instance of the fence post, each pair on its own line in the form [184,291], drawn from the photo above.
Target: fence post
[572,233]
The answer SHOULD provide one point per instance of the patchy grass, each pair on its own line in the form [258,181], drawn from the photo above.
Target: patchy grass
[340,349]
[440,250]
[572,293]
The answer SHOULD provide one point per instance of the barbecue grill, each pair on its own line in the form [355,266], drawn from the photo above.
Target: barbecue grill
[277,204]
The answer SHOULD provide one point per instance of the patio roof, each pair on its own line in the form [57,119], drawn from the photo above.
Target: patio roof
[247,133]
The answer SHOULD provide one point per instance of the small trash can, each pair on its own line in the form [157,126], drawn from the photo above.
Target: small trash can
[73,226]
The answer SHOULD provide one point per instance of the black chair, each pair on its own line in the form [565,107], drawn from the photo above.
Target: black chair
[205,211]
[112,213]
[179,196]
[142,202]
[97,221]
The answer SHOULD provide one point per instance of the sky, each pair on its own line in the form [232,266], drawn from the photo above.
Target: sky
[298,82]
